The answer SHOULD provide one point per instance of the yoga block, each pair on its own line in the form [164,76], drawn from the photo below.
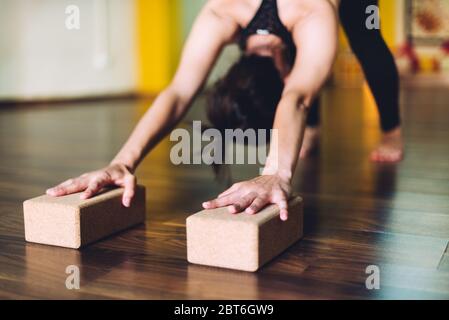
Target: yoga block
[242,241]
[71,222]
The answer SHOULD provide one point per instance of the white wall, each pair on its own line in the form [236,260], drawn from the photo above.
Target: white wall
[40,58]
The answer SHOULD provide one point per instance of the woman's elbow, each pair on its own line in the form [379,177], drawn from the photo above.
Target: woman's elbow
[300,98]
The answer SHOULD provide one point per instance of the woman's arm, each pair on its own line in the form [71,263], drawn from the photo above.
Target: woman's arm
[208,36]
[316,41]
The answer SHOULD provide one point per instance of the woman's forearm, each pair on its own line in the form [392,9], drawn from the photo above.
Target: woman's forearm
[160,118]
[289,126]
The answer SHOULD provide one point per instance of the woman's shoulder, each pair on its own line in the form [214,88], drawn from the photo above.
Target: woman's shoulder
[240,11]
[292,12]
[226,6]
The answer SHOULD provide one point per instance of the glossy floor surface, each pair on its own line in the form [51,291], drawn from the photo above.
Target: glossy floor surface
[357,213]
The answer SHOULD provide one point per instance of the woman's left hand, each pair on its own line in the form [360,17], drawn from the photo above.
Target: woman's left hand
[253,195]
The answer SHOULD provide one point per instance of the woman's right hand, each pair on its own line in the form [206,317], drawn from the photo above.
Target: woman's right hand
[92,182]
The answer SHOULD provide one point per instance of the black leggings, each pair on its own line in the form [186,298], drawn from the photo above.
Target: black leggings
[376,60]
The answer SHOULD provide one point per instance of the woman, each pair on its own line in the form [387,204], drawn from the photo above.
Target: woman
[293,41]
[382,76]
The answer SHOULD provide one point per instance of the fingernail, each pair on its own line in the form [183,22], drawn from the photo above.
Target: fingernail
[83,196]
[127,202]
[205,204]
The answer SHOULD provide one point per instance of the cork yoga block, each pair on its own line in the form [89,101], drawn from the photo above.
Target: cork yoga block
[71,222]
[242,241]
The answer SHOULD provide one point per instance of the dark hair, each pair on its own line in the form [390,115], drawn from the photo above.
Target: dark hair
[247,96]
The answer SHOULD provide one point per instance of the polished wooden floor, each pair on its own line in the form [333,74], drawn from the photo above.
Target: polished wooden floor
[356,213]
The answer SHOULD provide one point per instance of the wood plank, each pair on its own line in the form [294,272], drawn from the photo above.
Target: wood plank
[356,213]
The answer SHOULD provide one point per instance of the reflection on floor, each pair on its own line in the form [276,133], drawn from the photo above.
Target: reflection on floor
[356,213]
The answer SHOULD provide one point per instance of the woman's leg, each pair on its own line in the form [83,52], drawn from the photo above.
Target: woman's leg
[381,73]
[312,133]
[314,117]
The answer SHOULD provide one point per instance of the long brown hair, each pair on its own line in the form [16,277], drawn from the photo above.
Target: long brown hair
[246,97]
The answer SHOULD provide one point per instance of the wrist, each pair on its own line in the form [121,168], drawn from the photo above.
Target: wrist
[273,167]
[123,164]
[283,174]
[126,160]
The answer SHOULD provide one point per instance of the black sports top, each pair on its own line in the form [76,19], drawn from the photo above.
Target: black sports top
[267,21]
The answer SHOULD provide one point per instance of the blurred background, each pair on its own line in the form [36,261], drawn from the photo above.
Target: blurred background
[132,47]
[70,97]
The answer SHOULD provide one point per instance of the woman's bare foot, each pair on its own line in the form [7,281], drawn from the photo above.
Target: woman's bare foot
[310,143]
[390,149]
